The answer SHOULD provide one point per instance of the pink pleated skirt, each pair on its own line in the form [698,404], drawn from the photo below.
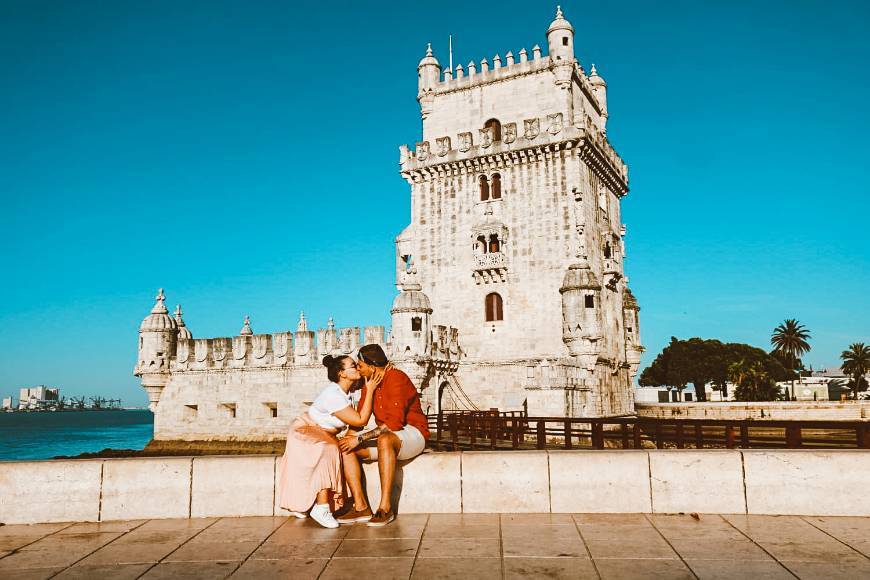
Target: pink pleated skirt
[311,462]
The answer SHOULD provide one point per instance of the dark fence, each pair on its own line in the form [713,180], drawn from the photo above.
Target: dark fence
[481,430]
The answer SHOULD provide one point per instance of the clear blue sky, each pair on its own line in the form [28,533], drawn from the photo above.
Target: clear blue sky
[243,155]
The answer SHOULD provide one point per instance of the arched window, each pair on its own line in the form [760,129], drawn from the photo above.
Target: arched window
[496,129]
[496,186]
[481,244]
[484,188]
[494,309]
[416,324]
[608,252]
[494,244]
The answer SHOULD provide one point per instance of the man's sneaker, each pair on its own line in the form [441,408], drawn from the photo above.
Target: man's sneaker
[355,515]
[381,518]
[321,514]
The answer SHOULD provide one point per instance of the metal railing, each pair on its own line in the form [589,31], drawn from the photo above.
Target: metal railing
[468,430]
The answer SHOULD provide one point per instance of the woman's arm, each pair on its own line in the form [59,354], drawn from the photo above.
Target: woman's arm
[360,419]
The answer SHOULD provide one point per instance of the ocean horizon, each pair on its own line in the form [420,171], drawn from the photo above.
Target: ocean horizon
[45,435]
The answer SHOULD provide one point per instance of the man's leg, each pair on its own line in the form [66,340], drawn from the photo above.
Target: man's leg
[388,451]
[353,475]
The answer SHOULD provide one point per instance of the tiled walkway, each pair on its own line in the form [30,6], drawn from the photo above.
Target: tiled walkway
[476,547]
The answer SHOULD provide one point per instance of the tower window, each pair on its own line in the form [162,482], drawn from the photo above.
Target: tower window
[564,41]
[494,310]
[589,301]
[484,188]
[494,244]
[608,251]
[496,129]
[416,324]
[496,186]
[481,244]
[272,409]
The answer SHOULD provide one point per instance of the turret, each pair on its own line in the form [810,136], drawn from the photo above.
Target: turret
[183,332]
[411,332]
[303,342]
[581,313]
[428,76]
[631,322]
[599,87]
[560,37]
[158,339]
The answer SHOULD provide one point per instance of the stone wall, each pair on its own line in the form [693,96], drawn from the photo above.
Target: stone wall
[771,411]
[617,481]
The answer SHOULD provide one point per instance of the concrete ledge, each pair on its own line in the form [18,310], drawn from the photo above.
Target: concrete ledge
[807,482]
[505,481]
[787,482]
[706,481]
[146,488]
[233,486]
[593,482]
[50,491]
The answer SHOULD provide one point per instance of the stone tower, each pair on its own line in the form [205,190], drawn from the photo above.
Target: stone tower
[516,239]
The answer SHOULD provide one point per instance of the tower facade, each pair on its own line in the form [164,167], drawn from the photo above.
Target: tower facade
[516,239]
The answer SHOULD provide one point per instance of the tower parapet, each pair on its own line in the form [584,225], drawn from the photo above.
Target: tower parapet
[164,350]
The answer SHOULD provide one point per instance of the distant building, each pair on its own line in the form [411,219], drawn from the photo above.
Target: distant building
[38,397]
[7,403]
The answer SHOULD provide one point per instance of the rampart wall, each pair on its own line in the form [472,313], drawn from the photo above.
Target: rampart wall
[771,411]
[784,482]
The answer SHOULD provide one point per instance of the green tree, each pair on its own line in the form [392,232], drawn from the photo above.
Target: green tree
[856,363]
[753,380]
[790,342]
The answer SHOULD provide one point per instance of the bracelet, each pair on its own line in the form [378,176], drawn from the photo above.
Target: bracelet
[359,439]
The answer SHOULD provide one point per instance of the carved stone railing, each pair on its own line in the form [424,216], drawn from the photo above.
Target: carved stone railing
[490,261]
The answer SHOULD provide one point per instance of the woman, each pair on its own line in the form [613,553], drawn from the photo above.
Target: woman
[311,470]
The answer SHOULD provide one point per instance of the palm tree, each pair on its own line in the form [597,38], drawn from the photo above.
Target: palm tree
[856,362]
[789,341]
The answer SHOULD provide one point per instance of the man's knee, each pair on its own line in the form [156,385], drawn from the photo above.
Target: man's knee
[388,442]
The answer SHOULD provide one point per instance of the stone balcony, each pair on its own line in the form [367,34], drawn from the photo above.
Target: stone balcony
[490,268]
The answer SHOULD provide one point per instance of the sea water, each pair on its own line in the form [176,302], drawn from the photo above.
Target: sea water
[48,434]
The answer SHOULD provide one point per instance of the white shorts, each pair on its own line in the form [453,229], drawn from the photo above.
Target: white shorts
[412,440]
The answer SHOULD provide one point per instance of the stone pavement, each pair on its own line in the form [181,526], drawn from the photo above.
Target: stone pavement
[476,546]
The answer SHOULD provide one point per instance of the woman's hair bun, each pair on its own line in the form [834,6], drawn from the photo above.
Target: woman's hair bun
[327,360]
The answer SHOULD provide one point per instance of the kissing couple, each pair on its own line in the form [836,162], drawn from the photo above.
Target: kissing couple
[321,470]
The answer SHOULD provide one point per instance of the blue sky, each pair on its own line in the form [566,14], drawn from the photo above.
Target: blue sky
[243,155]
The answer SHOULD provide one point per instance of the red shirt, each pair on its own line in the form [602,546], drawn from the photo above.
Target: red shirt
[397,403]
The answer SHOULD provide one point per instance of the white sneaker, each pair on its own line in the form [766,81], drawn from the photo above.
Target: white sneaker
[320,513]
[300,515]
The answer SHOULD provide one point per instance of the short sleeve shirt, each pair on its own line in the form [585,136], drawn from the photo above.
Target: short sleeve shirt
[331,399]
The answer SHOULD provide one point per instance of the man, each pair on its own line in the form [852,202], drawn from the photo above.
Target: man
[400,435]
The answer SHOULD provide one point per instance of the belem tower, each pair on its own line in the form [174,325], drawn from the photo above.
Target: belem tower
[511,288]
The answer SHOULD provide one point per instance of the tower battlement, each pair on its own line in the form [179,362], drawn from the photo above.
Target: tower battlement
[526,138]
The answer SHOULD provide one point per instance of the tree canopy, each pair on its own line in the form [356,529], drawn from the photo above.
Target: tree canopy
[700,361]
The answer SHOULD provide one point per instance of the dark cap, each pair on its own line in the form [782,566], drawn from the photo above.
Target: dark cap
[373,354]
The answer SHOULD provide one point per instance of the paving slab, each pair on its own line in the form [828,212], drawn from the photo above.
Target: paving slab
[557,568]
[368,567]
[114,572]
[448,546]
[457,568]
[295,568]
[731,569]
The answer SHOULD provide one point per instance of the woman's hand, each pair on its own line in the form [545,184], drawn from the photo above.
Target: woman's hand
[348,443]
[375,380]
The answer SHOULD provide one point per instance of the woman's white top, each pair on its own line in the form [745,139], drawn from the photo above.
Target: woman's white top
[330,400]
